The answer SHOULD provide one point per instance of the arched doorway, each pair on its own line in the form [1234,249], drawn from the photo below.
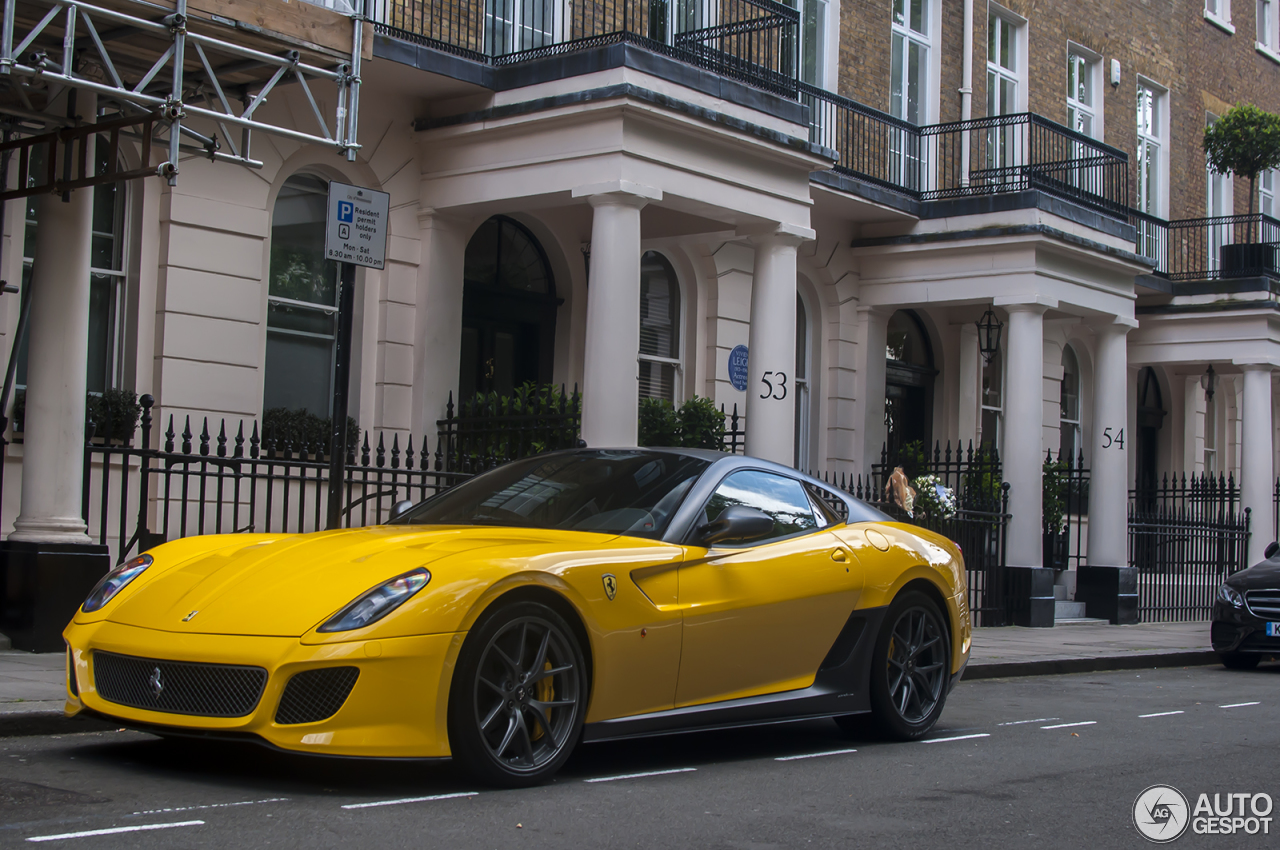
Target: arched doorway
[508,311]
[908,384]
[1150,419]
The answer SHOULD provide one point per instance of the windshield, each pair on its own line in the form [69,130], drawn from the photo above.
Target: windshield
[620,492]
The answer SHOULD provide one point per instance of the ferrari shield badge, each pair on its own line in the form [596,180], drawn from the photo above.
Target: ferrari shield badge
[610,585]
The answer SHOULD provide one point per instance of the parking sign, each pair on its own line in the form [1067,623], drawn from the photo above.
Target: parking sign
[356,226]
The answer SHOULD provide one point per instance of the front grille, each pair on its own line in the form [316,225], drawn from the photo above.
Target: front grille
[315,695]
[178,687]
[1264,603]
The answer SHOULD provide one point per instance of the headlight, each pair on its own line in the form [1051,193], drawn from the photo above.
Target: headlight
[113,582]
[378,603]
[1230,596]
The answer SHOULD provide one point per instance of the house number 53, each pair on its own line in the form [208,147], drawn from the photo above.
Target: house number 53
[1109,439]
[775,388]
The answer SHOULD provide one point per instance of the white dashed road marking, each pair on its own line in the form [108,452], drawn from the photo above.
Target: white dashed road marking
[410,800]
[1069,725]
[815,755]
[116,830]
[1161,714]
[956,738]
[641,775]
[1239,704]
[211,806]
[1020,722]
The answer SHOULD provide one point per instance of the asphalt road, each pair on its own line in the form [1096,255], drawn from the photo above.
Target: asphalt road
[1051,761]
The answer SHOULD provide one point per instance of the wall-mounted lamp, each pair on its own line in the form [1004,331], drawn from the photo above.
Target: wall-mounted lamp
[1209,383]
[989,328]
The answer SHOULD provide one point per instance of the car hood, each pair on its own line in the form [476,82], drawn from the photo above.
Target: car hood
[1264,574]
[285,585]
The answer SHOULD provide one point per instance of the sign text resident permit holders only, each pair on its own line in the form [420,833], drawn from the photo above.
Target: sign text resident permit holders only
[356,225]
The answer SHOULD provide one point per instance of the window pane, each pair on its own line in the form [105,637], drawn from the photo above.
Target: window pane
[102,290]
[914,82]
[294,318]
[919,18]
[298,371]
[104,252]
[659,307]
[782,498]
[657,380]
[900,12]
[298,267]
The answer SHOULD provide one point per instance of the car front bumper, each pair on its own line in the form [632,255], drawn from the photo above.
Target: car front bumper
[1236,630]
[397,708]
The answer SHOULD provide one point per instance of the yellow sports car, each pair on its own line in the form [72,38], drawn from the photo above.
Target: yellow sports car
[584,595]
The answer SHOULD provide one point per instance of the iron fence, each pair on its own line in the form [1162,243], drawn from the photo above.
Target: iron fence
[1065,502]
[752,41]
[490,430]
[1185,536]
[1151,239]
[1223,247]
[873,145]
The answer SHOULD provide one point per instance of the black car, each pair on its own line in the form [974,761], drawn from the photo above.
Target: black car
[1246,614]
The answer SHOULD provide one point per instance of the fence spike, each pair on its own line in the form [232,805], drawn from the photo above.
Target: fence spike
[408,454]
[222,439]
[254,441]
[364,451]
[395,450]
[382,449]
[186,436]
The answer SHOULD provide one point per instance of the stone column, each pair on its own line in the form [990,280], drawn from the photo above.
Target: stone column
[873,332]
[1107,584]
[771,404]
[48,564]
[57,354]
[1257,475]
[1022,454]
[438,343]
[610,373]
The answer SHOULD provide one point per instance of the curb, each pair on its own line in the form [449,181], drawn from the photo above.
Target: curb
[16,724]
[1052,666]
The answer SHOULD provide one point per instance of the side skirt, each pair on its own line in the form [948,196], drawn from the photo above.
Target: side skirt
[841,686]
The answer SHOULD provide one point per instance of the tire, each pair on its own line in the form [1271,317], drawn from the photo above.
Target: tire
[910,669]
[518,697]
[1239,660]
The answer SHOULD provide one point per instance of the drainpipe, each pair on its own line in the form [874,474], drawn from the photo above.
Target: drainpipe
[966,90]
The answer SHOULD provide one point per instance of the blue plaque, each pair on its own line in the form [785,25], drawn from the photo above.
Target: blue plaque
[738,368]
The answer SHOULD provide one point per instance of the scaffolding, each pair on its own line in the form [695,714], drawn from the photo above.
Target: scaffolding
[157,68]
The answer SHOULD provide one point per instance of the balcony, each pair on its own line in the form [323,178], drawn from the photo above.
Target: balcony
[1210,249]
[983,156]
[751,41]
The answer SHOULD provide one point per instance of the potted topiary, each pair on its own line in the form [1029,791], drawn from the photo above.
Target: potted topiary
[1245,141]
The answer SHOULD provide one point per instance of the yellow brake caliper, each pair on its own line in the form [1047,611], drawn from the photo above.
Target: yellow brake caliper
[546,691]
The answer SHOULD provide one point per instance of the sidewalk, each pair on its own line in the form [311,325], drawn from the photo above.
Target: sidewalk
[32,686]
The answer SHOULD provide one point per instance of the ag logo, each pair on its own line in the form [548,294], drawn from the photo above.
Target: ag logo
[610,585]
[1161,814]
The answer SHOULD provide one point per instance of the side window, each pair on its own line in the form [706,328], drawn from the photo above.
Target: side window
[782,498]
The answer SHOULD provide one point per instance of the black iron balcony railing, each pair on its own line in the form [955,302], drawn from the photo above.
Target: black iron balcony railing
[752,41]
[1222,247]
[983,156]
[1151,239]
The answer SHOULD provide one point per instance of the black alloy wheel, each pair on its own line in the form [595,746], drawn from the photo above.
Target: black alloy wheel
[1239,660]
[518,697]
[911,668]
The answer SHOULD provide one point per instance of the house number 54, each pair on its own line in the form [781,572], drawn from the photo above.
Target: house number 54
[771,391]
[1109,439]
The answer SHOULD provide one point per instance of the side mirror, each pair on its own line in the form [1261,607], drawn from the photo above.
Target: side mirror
[735,523]
[1272,548]
[399,509]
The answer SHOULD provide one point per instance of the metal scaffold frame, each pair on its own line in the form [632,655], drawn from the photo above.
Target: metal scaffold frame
[168,94]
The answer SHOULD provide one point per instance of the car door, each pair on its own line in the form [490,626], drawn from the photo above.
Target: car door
[759,617]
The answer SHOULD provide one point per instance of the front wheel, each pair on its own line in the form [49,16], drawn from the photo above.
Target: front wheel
[910,668]
[1239,660]
[518,697]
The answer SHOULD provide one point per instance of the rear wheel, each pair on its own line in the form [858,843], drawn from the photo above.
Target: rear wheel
[1239,660]
[910,668]
[518,697]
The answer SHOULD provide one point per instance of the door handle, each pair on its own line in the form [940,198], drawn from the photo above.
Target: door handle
[840,556]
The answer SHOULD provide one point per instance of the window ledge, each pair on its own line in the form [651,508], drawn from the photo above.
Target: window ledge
[1267,52]
[1221,24]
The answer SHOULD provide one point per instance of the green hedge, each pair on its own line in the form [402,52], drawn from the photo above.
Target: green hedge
[696,424]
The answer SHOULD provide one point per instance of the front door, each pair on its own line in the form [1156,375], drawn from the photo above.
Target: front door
[760,618]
